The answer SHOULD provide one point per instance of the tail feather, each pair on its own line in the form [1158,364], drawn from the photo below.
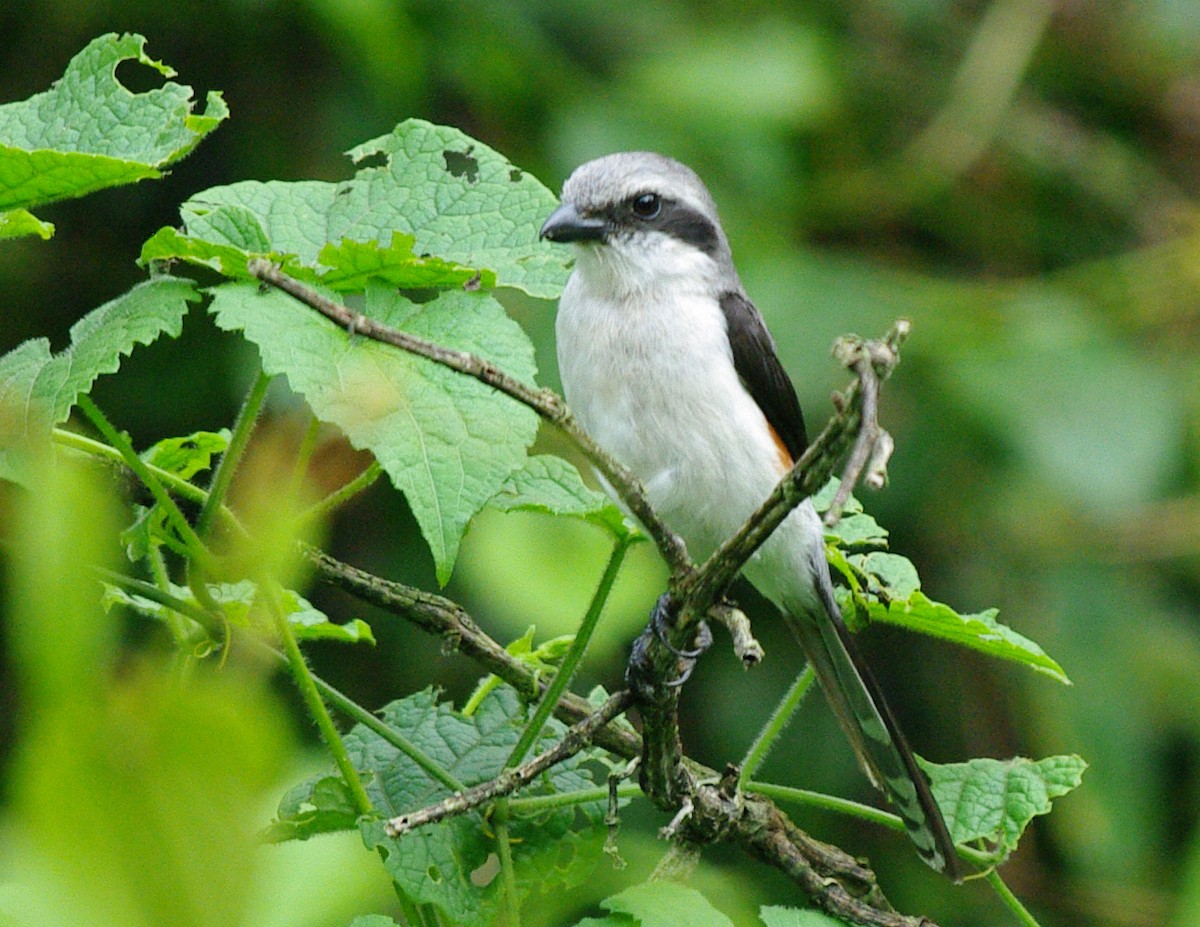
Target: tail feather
[871,727]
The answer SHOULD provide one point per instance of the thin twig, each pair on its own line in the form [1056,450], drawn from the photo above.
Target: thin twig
[449,621]
[509,780]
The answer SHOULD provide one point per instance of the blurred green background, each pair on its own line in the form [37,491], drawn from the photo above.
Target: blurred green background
[1018,177]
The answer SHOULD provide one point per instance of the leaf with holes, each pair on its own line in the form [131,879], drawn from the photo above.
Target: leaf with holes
[88,132]
[439,209]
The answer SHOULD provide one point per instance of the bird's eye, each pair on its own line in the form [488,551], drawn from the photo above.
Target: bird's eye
[647,205]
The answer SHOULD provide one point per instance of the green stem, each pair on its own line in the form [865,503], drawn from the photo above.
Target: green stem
[227,466]
[195,547]
[340,496]
[175,483]
[786,793]
[536,804]
[583,637]
[312,697]
[775,724]
[356,712]
[1012,901]
[512,903]
[304,456]
[342,702]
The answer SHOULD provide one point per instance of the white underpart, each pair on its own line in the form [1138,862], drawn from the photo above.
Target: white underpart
[646,366]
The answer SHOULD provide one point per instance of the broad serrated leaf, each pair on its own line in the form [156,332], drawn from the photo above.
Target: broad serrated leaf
[465,202]
[237,601]
[980,632]
[441,211]
[855,528]
[666,904]
[994,800]
[882,586]
[447,441]
[38,388]
[552,486]
[613,920]
[774,916]
[434,865]
[88,131]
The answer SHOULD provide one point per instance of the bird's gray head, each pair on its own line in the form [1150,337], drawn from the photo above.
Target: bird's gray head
[642,216]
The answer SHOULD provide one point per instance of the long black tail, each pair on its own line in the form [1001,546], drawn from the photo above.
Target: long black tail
[871,727]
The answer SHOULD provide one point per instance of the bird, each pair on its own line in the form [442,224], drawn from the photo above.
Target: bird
[670,368]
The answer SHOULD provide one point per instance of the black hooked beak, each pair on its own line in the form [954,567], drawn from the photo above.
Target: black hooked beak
[566,225]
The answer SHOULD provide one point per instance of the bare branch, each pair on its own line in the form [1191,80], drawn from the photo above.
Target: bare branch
[448,620]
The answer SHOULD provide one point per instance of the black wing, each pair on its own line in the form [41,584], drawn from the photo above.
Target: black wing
[758,365]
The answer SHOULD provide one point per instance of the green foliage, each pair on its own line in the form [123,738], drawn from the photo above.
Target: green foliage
[38,388]
[992,801]
[884,586]
[666,904]
[429,227]
[552,486]
[188,455]
[447,865]
[89,132]
[148,783]
[240,605]
[466,212]
[447,442]
[795,917]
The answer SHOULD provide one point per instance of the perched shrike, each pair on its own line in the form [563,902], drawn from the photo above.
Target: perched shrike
[670,367]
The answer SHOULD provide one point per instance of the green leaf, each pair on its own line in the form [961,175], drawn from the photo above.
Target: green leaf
[320,806]
[885,587]
[38,388]
[373,920]
[890,574]
[773,916]
[552,486]
[238,600]
[18,223]
[434,865]
[666,904]
[353,263]
[994,800]
[88,131]
[613,920]
[855,528]
[980,632]
[188,455]
[442,210]
[547,657]
[446,441]
[465,203]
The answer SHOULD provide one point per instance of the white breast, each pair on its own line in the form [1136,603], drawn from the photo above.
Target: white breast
[650,375]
